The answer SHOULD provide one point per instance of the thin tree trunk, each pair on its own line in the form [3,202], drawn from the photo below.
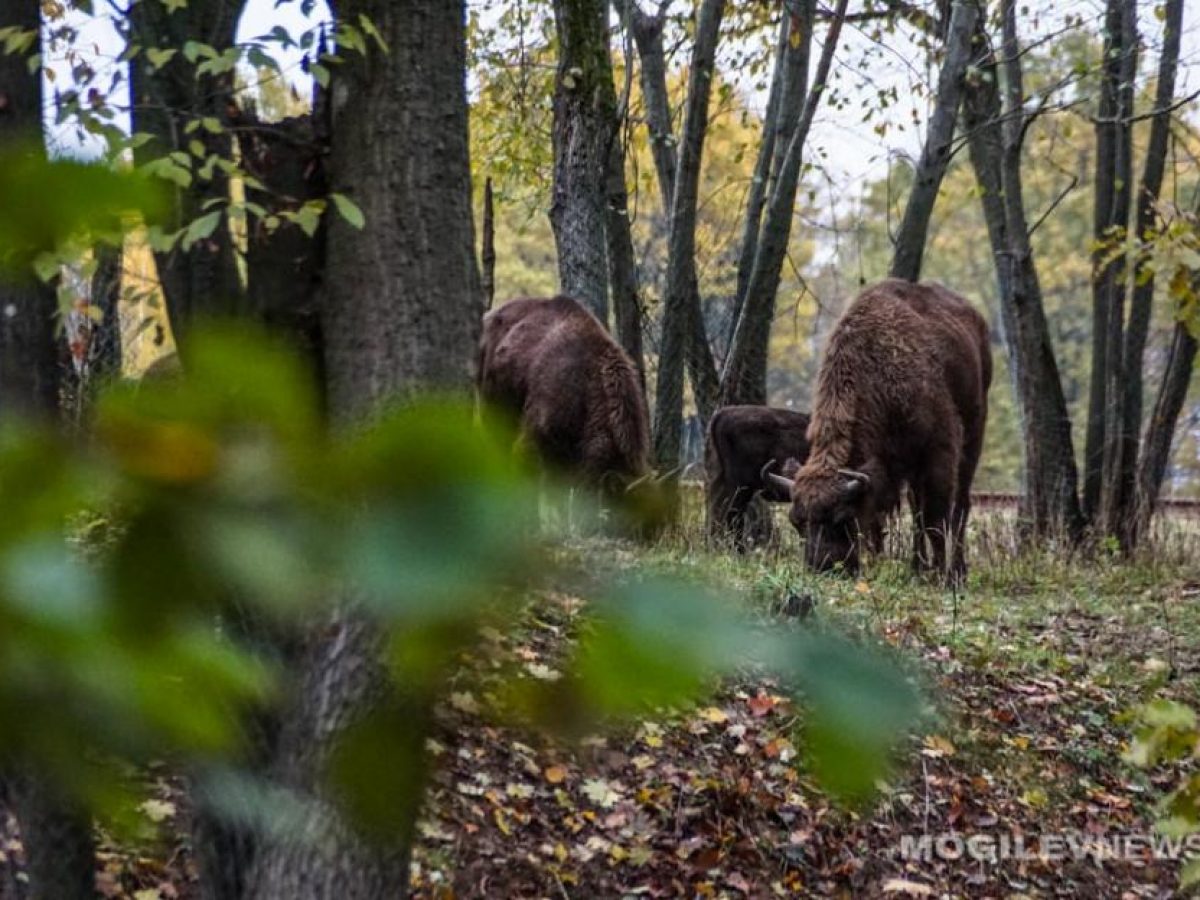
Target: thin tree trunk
[1143,291]
[57,835]
[622,265]
[1113,196]
[647,34]
[106,352]
[996,131]
[744,379]
[1160,429]
[585,117]
[488,254]
[756,199]
[681,265]
[402,313]
[935,157]
[202,279]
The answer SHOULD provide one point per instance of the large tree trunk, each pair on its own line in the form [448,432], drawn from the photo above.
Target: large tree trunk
[402,313]
[681,258]
[1113,199]
[285,267]
[996,129]
[202,279]
[1128,516]
[585,117]
[28,363]
[935,157]
[284,271]
[744,379]
[56,834]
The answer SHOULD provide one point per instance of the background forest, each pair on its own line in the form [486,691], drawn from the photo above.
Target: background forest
[278,617]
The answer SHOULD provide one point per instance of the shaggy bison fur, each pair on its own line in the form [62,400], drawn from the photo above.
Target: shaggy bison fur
[744,444]
[573,391]
[901,401]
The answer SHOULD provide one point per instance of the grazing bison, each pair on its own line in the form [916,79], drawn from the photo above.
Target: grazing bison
[901,400]
[575,393]
[744,443]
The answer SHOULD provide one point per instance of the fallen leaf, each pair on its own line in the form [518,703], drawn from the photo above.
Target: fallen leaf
[158,811]
[904,886]
[600,792]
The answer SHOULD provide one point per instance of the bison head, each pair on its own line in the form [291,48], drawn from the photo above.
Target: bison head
[829,507]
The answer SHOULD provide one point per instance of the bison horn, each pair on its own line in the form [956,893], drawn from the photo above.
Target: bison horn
[669,474]
[780,481]
[637,483]
[856,483]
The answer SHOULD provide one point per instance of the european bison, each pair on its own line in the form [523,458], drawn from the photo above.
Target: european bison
[572,389]
[901,400]
[744,443]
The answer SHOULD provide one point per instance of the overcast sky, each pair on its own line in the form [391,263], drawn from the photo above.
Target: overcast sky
[850,150]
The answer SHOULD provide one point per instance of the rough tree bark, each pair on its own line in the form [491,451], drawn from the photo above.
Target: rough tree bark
[585,116]
[285,267]
[622,263]
[648,35]
[681,257]
[202,280]
[28,362]
[402,312]
[756,198]
[1113,200]
[284,270]
[1128,516]
[744,379]
[996,130]
[935,157]
[57,836]
[1160,429]
[487,255]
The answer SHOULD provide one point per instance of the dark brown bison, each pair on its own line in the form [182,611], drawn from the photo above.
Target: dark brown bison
[573,391]
[744,444]
[901,400]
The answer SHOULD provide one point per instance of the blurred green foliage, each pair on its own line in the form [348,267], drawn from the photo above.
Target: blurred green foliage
[222,492]
[56,210]
[1167,732]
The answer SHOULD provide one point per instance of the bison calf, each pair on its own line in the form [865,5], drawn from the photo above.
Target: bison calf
[744,444]
[901,401]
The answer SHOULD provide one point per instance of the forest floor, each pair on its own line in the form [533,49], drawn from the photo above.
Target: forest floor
[1032,671]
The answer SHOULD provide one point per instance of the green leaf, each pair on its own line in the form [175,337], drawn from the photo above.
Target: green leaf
[202,228]
[348,210]
[159,57]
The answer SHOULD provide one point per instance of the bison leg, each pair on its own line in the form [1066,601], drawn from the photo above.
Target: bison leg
[727,514]
[757,522]
[932,513]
